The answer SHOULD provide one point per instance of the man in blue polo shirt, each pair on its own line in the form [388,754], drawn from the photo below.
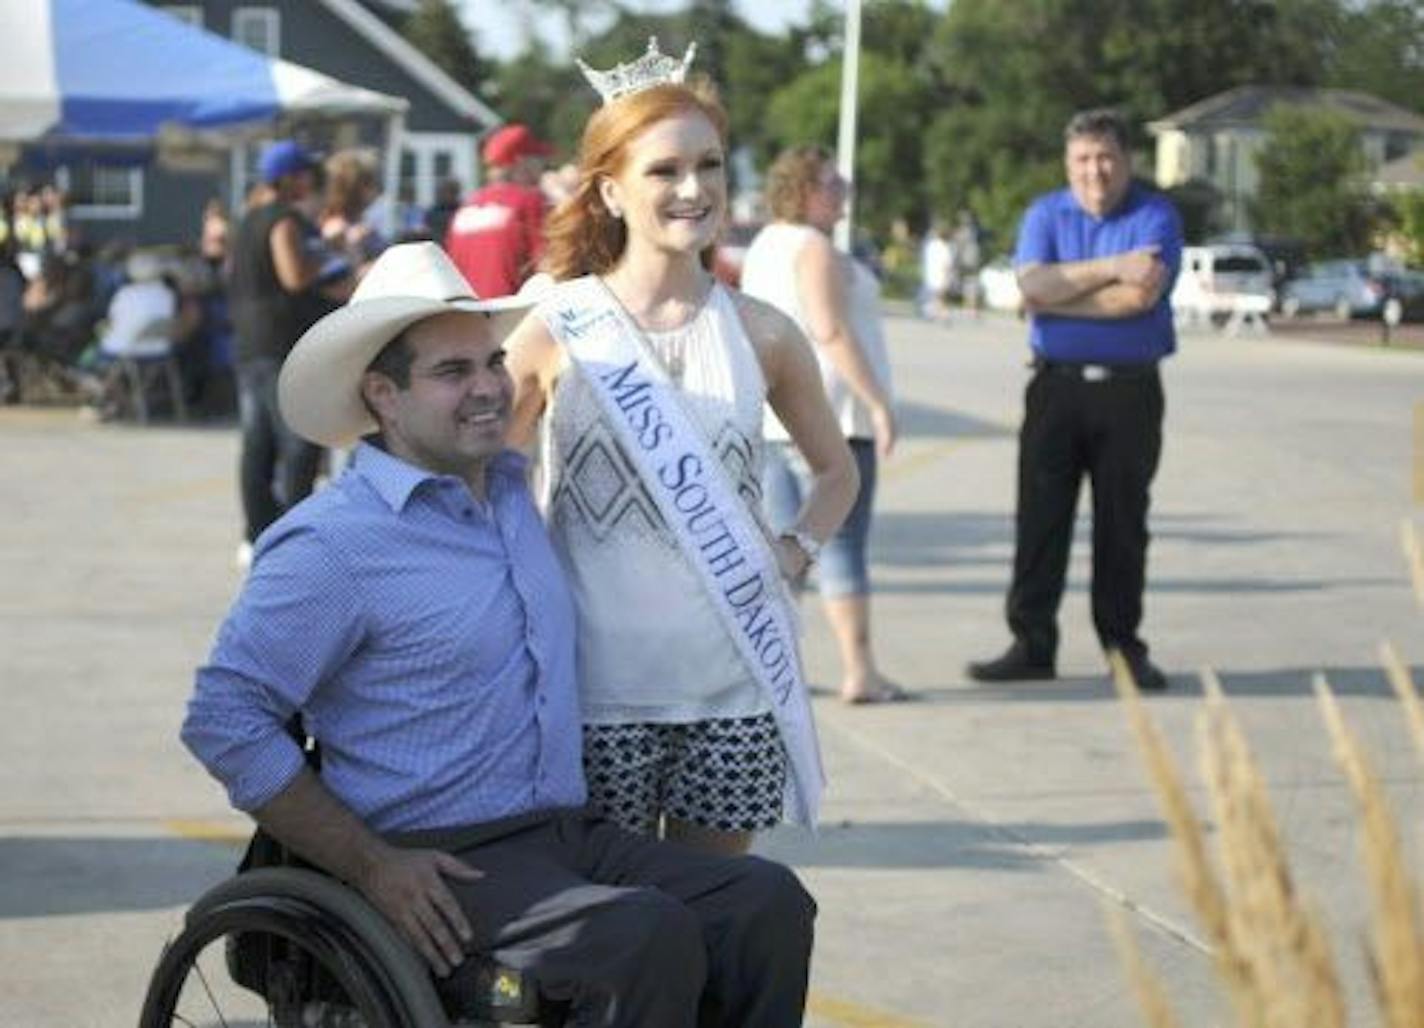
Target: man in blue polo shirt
[1095,264]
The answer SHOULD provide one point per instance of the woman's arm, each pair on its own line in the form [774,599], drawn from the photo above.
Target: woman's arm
[534,360]
[295,267]
[796,394]
[821,286]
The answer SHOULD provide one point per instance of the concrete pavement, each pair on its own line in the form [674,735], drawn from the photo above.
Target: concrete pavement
[970,841]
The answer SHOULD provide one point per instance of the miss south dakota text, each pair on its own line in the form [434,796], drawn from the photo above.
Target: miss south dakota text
[680,473]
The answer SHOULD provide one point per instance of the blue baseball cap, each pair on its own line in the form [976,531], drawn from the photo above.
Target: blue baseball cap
[284,157]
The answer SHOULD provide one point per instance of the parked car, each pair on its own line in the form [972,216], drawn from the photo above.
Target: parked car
[1359,288]
[1286,255]
[1222,279]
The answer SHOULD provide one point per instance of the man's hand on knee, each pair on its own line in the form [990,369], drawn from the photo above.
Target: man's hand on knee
[409,888]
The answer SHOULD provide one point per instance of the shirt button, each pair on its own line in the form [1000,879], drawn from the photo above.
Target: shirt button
[543,700]
[469,512]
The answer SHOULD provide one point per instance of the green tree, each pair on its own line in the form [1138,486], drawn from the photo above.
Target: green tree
[1015,70]
[1409,213]
[1310,182]
[548,95]
[1380,50]
[887,155]
[434,28]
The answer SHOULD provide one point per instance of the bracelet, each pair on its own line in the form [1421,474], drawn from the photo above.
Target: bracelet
[805,542]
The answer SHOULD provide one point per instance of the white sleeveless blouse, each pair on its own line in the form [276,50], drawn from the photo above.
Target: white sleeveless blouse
[769,273]
[651,647]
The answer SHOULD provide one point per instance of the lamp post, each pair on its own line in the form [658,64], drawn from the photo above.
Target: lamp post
[845,140]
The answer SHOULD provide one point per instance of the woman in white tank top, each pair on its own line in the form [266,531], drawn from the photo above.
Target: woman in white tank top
[679,736]
[836,301]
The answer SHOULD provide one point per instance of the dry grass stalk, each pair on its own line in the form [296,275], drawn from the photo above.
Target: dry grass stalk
[1291,972]
[1157,1013]
[1398,673]
[1414,554]
[1398,939]
[1198,877]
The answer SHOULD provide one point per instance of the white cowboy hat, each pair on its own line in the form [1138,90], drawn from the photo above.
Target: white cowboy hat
[319,389]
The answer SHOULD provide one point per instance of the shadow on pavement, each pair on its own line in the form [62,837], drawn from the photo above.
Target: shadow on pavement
[42,876]
[942,844]
[1283,683]
[902,539]
[1184,586]
[921,421]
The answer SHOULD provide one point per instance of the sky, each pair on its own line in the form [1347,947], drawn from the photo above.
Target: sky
[499,34]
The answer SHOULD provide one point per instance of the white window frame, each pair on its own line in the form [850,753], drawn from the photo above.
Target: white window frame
[423,146]
[273,29]
[131,211]
[190,13]
[241,157]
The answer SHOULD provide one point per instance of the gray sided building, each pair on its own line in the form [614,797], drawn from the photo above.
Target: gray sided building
[350,40]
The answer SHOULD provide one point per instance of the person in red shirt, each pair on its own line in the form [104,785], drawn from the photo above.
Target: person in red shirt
[497,237]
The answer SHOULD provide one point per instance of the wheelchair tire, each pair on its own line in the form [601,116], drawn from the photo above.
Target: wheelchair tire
[379,971]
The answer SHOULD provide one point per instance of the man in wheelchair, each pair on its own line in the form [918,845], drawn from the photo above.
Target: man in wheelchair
[415,615]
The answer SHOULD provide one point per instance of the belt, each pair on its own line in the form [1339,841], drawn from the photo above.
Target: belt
[1095,372]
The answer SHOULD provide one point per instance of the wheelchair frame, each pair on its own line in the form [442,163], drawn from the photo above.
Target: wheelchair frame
[381,974]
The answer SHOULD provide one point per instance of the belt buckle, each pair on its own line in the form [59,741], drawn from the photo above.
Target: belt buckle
[1096,373]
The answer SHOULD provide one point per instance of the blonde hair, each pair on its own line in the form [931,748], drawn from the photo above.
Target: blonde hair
[791,179]
[350,183]
[583,238]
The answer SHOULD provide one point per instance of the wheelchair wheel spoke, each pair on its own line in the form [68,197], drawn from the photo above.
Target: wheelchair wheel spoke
[203,979]
[287,949]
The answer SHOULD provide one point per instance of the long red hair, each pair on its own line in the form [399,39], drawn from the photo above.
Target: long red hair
[583,238]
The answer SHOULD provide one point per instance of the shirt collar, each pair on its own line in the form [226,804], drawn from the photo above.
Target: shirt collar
[395,479]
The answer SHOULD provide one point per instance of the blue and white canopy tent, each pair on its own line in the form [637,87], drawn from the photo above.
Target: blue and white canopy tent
[119,76]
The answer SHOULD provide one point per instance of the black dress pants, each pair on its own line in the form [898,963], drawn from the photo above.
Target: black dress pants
[633,932]
[1109,429]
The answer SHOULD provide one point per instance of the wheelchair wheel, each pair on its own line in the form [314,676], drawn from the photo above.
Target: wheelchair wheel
[333,961]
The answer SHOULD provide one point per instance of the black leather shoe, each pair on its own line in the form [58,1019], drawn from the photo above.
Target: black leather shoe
[1016,664]
[1147,675]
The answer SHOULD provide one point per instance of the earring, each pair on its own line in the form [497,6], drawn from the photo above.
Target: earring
[615,213]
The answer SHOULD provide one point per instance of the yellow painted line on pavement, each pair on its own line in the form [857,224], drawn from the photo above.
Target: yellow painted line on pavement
[1419,453]
[899,468]
[183,490]
[20,415]
[208,831]
[853,1015]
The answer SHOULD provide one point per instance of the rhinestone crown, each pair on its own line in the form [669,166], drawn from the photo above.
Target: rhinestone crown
[654,68]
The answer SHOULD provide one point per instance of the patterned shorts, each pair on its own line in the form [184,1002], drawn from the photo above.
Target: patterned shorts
[724,774]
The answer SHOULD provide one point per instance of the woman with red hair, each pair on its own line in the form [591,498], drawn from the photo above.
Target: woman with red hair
[649,377]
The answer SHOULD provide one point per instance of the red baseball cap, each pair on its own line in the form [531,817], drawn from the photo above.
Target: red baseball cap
[509,143]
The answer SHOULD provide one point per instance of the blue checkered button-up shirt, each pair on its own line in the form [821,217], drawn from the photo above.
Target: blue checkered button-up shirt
[428,639]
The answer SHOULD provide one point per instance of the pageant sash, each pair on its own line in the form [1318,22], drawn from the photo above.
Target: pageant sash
[697,499]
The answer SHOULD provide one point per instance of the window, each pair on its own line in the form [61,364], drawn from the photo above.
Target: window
[429,157]
[190,13]
[409,176]
[100,191]
[259,28]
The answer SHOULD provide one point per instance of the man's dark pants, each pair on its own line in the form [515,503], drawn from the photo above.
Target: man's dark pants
[1111,430]
[630,931]
[278,467]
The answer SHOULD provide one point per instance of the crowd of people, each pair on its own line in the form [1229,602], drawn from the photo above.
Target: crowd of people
[69,311]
